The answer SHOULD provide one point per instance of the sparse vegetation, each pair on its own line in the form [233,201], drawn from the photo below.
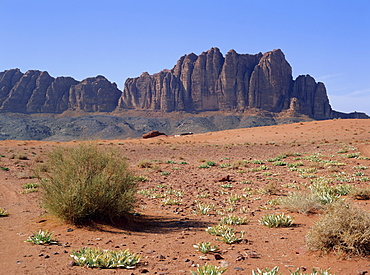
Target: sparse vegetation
[206,247]
[74,176]
[98,258]
[209,269]
[3,212]
[342,229]
[276,220]
[42,237]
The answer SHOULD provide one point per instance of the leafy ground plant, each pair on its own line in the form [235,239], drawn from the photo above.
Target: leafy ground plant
[3,212]
[233,220]
[95,257]
[206,247]
[42,237]
[73,178]
[276,220]
[314,272]
[342,229]
[209,269]
[267,271]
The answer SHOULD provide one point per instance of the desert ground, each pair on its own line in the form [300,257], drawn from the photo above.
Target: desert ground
[169,219]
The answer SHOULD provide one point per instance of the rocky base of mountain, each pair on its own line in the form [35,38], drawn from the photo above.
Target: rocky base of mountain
[92,127]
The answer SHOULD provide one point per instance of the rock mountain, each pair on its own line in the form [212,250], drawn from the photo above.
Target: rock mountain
[240,90]
[212,82]
[208,82]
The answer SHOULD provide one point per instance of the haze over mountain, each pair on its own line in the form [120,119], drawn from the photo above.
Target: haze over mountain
[244,85]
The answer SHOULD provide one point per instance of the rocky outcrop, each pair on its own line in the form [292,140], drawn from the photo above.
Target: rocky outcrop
[211,82]
[258,84]
[38,92]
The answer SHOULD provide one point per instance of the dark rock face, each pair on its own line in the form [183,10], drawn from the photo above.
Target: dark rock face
[38,92]
[261,83]
[211,82]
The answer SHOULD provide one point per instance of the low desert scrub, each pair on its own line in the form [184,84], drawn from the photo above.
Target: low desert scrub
[206,247]
[233,220]
[145,163]
[303,203]
[30,188]
[3,212]
[314,272]
[276,220]
[95,257]
[42,237]
[267,271]
[209,269]
[171,201]
[360,193]
[342,229]
[86,183]
[204,208]
[226,233]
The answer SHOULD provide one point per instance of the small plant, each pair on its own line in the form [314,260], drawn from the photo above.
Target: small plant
[276,220]
[279,163]
[218,230]
[233,198]
[42,237]
[183,162]
[144,163]
[360,167]
[211,163]
[227,185]
[342,229]
[352,155]
[267,271]
[95,257]
[314,272]
[203,166]
[165,173]
[4,168]
[230,237]
[140,178]
[203,208]
[233,220]
[171,161]
[206,247]
[171,201]
[209,269]
[3,212]
[30,187]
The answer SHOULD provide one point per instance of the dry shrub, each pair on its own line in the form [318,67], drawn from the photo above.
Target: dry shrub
[85,182]
[360,193]
[303,203]
[144,163]
[342,229]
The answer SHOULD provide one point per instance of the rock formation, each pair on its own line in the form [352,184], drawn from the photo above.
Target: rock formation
[38,92]
[261,83]
[234,82]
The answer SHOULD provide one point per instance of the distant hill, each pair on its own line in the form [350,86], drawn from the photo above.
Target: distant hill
[256,88]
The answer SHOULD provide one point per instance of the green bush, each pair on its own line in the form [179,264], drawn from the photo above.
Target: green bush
[85,182]
[342,229]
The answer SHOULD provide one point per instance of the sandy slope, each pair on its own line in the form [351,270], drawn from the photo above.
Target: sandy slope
[165,234]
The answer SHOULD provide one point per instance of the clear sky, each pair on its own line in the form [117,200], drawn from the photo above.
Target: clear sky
[330,40]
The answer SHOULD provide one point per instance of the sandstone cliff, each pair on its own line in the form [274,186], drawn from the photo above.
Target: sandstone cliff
[212,82]
[38,92]
[209,82]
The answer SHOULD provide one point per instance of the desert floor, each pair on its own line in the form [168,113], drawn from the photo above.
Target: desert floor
[165,234]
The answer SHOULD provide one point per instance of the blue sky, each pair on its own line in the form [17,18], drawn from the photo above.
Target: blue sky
[330,40]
